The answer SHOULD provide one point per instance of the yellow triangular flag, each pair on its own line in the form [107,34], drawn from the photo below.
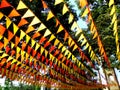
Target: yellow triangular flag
[12,45]
[14,60]
[69,55]
[29,13]
[37,46]
[78,32]
[84,41]
[115,28]
[65,9]
[114,18]
[32,42]
[15,28]
[85,12]
[21,5]
[35,21]
[66,52]
[86,46]
[112,10]
[75,47]
[41,27]
[111,2]
[9,58]
[95,35]
[18,50]
[50,15]
[26,56]
[47,32]
[22,34]
[81,37]
[60,45]
[69,40]
[63,49]
[90,48]
[58,1]
[4,55]
[46,53]
[74,26]
[52,37]
[30,29]
[56,42]
[5,42]
[41,50]
[1,15]
[27,39]
[60,29]
[8,22]
[70,19]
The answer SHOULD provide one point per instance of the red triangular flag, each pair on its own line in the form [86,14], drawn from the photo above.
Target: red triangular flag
[4,4]
[10,35]
[7,49]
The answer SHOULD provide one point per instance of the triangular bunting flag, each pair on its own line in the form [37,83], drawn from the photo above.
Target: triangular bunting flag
[30,29]
[13,13]
[14,60]
[41,50]
[81,37]
[10,35]
[5,42]
[114,18]
[21,5]
[44,4]
[95,35]
[70,19]
[15,28]
[65,9]
[34,21]
[56,42]
[75,47]
[63,49]
[50,15]
[12,45]
[8,22]
[57,23]
[18,50]
[78,32]
[86,11]
[46,53]
[112,10]
[4,55]
[47,32]
[1,15]
[111,2]
[74,26]
[60,29]
[22,34]
[2,30]
[4,4]
[58,1]
[29,13]
[52,37]
[60,45]
[37,46]
[27,39]
[37,34]
[41,27]
[33,42]
[83,3]
[84,41]
[22,22]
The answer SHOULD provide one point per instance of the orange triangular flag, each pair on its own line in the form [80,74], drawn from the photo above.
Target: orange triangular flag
[4,4]
[57,23]
[44,4]
[30,29]
[5,42]
[37,34]
[13,13]
[22,22]
[2,29]
[17,39]
[83,3]
[10,35]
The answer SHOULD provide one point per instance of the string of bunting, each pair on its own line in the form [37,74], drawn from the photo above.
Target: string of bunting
[75,27]
[115,28]
[93,29]
[61,28]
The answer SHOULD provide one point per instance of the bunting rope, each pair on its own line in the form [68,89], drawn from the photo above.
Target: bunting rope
[93,29]
[115,28]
